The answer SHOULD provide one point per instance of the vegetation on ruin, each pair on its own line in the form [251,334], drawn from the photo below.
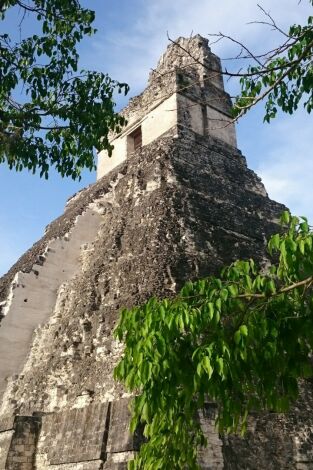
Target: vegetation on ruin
[52,113]
[242,340]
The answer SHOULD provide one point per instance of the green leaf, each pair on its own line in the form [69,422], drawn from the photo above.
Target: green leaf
[285,217]
[206,364]
[274,241]
[233,290]
[220,366]
[211,310]
[237,337]
[243,330]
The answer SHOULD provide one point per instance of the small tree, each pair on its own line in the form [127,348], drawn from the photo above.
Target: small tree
[51,114]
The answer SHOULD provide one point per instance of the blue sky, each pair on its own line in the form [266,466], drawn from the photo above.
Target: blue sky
[131,36]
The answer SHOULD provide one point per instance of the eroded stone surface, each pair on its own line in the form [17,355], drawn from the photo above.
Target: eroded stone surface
[26,307]
[180,211]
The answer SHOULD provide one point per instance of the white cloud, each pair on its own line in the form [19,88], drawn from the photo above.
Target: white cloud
[133,51]
[287,168]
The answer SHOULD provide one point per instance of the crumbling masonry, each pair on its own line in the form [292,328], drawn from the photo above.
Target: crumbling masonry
[176,201]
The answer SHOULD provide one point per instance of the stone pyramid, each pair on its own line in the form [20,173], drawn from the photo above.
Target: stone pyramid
[176,201]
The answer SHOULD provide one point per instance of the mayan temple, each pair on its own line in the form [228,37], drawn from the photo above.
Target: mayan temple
[175,201]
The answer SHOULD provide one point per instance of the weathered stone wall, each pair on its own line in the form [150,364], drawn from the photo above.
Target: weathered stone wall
[211,456]
[92,438]
[73,439]
[5,443]
[18,442]
[73,436]
[275,441]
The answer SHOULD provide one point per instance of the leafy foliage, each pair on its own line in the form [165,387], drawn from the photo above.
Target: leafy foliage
[64,115]
[241,339]
[282,77]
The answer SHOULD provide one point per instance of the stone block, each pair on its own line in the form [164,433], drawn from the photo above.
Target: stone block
[119,438]
[79,442]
